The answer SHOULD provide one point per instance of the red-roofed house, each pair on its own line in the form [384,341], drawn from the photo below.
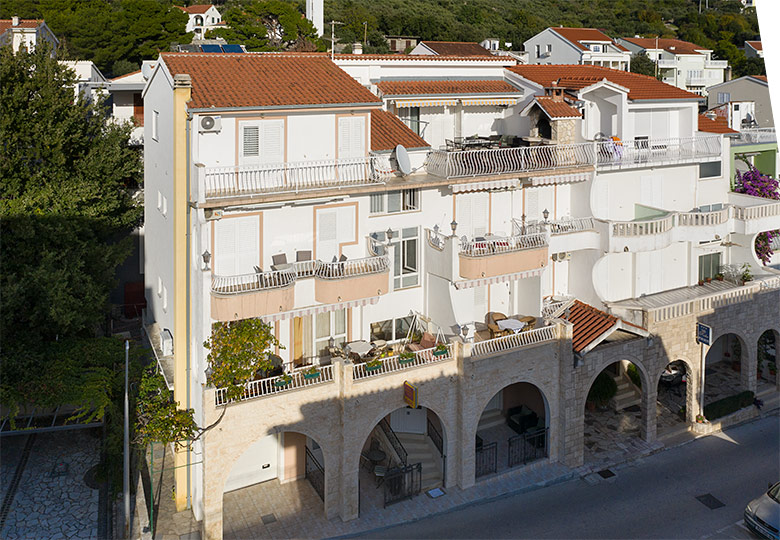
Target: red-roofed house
[750,88]
[450,48]
[28,32]
[202,17]
[754,49]
[586,46]
[681,63]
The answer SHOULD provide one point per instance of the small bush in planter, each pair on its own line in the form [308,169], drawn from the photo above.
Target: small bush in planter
[373,365]
[728,405]
[311,372]
[633,374]
[283,380]
[406,357]
[604,388]
[440,349]
[719,277]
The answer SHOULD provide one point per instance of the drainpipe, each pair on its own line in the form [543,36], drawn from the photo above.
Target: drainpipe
[188,368]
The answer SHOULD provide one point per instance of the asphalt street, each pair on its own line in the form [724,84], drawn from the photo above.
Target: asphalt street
[655,497]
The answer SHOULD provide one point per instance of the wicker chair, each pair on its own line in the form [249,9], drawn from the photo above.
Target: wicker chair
[492,324]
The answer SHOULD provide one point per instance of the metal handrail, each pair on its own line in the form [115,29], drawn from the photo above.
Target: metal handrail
[396,363]
[757,135]
[640,152]
[257,281]
[352,267]
[268,386]
[435,239]
[503,244]
[515,341]
[394,441]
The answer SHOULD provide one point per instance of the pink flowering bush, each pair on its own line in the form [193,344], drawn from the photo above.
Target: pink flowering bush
[756,184]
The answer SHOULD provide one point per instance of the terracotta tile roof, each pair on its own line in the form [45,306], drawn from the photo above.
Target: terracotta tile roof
[457,48]
[426,57]
[756,45]
[417,88]
[266,80]
[576,77]
[120,77]
[716,125]
[387,131]
[589,323]
[760,78]
[578,35]
[557,109]
[6,24]
[674,46]
[200,8]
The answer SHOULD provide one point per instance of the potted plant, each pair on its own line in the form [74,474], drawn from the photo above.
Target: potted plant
[373,365]
[283,380]
[440,350]
[708,280]
[719,277]
[311,372]
[700,419]
[746,274]
[406,357]
[701,282]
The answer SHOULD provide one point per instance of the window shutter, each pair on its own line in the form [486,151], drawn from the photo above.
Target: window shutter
[352,137]
[225,248]
[532,204]
[463,216]
[272,141]
[480,302]
[250,144]
[480,213]
[327,240]
[247,244]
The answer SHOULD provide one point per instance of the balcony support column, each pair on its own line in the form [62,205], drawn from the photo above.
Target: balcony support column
[349,477]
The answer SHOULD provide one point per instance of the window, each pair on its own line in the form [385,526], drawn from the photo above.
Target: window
[411,117]
[405,246]
[326,325]
[352,137]
[262,142]
[392,44]
[159,286]
[595,47]
[391,329]
[709,170]
[711,207]
[394,201]
[736,107]
[538,51]
[709,266]
[236,245]
[549,48]
[155,121]
[165,298]
[724,97]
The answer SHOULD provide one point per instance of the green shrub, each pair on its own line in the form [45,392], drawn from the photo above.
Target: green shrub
[728,405]
[633,374]
[604,388]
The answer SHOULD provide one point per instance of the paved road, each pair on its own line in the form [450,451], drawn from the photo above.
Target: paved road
[654,498]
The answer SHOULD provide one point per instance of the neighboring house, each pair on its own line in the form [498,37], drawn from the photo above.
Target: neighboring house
[275,191]
[402,44]
[754,49]
[738,115]
[202,17]
[681,63]
[751,88]
[586,46]
[449,48]
[89,80]
[127,104]
[25,32]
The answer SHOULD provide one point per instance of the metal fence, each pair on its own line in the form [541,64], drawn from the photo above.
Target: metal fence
[393,438]
[642,152]
[402,483]
[486,459]
[527,447]
[315,474]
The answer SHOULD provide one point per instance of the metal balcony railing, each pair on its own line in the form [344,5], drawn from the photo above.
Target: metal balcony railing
[294,177]
[515,341]
[300,377]
[352,267]
[258,281]
[502,244]
[644,152]
[493,161]
[757,136]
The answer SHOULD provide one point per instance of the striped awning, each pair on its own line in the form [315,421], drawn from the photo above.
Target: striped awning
[560,179]
[505,183]
[425,102]
[322,308]
[498,279]
[489,101]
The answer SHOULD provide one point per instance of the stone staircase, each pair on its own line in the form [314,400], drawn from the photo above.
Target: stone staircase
[627,395]
[420,449]
[489,419]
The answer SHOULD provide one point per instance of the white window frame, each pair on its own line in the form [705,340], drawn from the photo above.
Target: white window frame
[320,344]
[155,127]
[379,202]
[403,278]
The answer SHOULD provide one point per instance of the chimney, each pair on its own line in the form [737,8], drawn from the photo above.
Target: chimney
[357,48]
[14,21]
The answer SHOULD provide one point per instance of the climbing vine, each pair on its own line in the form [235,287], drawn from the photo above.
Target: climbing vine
[754,183]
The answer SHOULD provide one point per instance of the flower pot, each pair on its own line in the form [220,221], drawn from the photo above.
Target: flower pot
[439,353]
[373,368]
[281,383]
[708,280]
[311,375]
[404,361]
[701,282]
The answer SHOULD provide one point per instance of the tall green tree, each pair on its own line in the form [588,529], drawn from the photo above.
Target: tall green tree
[267,25]
[641,63]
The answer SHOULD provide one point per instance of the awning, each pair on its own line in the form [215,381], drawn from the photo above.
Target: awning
[322,308]
[425,102]
[485,186]
[498,279]
[560,179]
[489,101]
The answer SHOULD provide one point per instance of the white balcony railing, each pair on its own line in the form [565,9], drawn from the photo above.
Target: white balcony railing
[304,269]
[259,281]
[716,64]
[643,228]
[757,212]
[352,267]
[396,363]
[665,64]
[435,239]
[559,226]
[502,244]
[295,177]
[644,152]
[554,307]
[757,136]
[273,385]
[495,161]
[515,341]
[696,81]
[703,219]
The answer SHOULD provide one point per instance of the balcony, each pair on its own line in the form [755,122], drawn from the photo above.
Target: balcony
[566,235]
[516,341]
[353,279]
[696,81]
[252,295]
[394,364]
[493,256]
[667,64]
[639,153]
[272,385]
[756,136]
[716,64]
[251,180]
[507,161]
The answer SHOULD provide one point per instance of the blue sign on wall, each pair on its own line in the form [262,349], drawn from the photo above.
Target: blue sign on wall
[703,334]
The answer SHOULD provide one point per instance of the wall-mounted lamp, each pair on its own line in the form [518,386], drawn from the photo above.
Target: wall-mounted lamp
[389,234]
[546,214]
[436,229]
[453,226]
[206,259]
[331,342]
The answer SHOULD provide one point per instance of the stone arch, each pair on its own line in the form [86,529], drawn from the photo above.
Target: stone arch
[608,361]
[747,371]
[693,375]
[775,332]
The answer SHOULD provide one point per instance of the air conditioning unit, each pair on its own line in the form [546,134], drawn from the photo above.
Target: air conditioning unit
[212,214]
[210,124]
[166,342]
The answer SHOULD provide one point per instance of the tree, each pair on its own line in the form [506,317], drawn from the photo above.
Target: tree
[641,63]
[267,25]
[67,179]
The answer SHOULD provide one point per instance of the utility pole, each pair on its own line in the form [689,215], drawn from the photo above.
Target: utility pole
[365,32]
[657,57]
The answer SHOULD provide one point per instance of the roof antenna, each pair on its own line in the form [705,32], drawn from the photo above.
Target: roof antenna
[333,39]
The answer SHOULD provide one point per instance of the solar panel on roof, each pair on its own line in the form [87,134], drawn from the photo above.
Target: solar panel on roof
[231,48]
[211,48]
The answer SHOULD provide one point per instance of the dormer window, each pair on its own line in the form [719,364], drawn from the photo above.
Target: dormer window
[595,47]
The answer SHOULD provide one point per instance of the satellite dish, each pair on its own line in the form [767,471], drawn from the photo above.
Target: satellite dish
[402,160]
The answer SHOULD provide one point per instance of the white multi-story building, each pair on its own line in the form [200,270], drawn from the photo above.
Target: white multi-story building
[681,63]
[26,32]
[202,17]
[586,46]
[276,189]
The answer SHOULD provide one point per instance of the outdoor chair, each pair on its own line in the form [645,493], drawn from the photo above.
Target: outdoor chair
[427,341]
[492,324]
[279,261]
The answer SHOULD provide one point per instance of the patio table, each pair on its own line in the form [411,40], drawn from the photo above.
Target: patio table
[513,325]
[360,347]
